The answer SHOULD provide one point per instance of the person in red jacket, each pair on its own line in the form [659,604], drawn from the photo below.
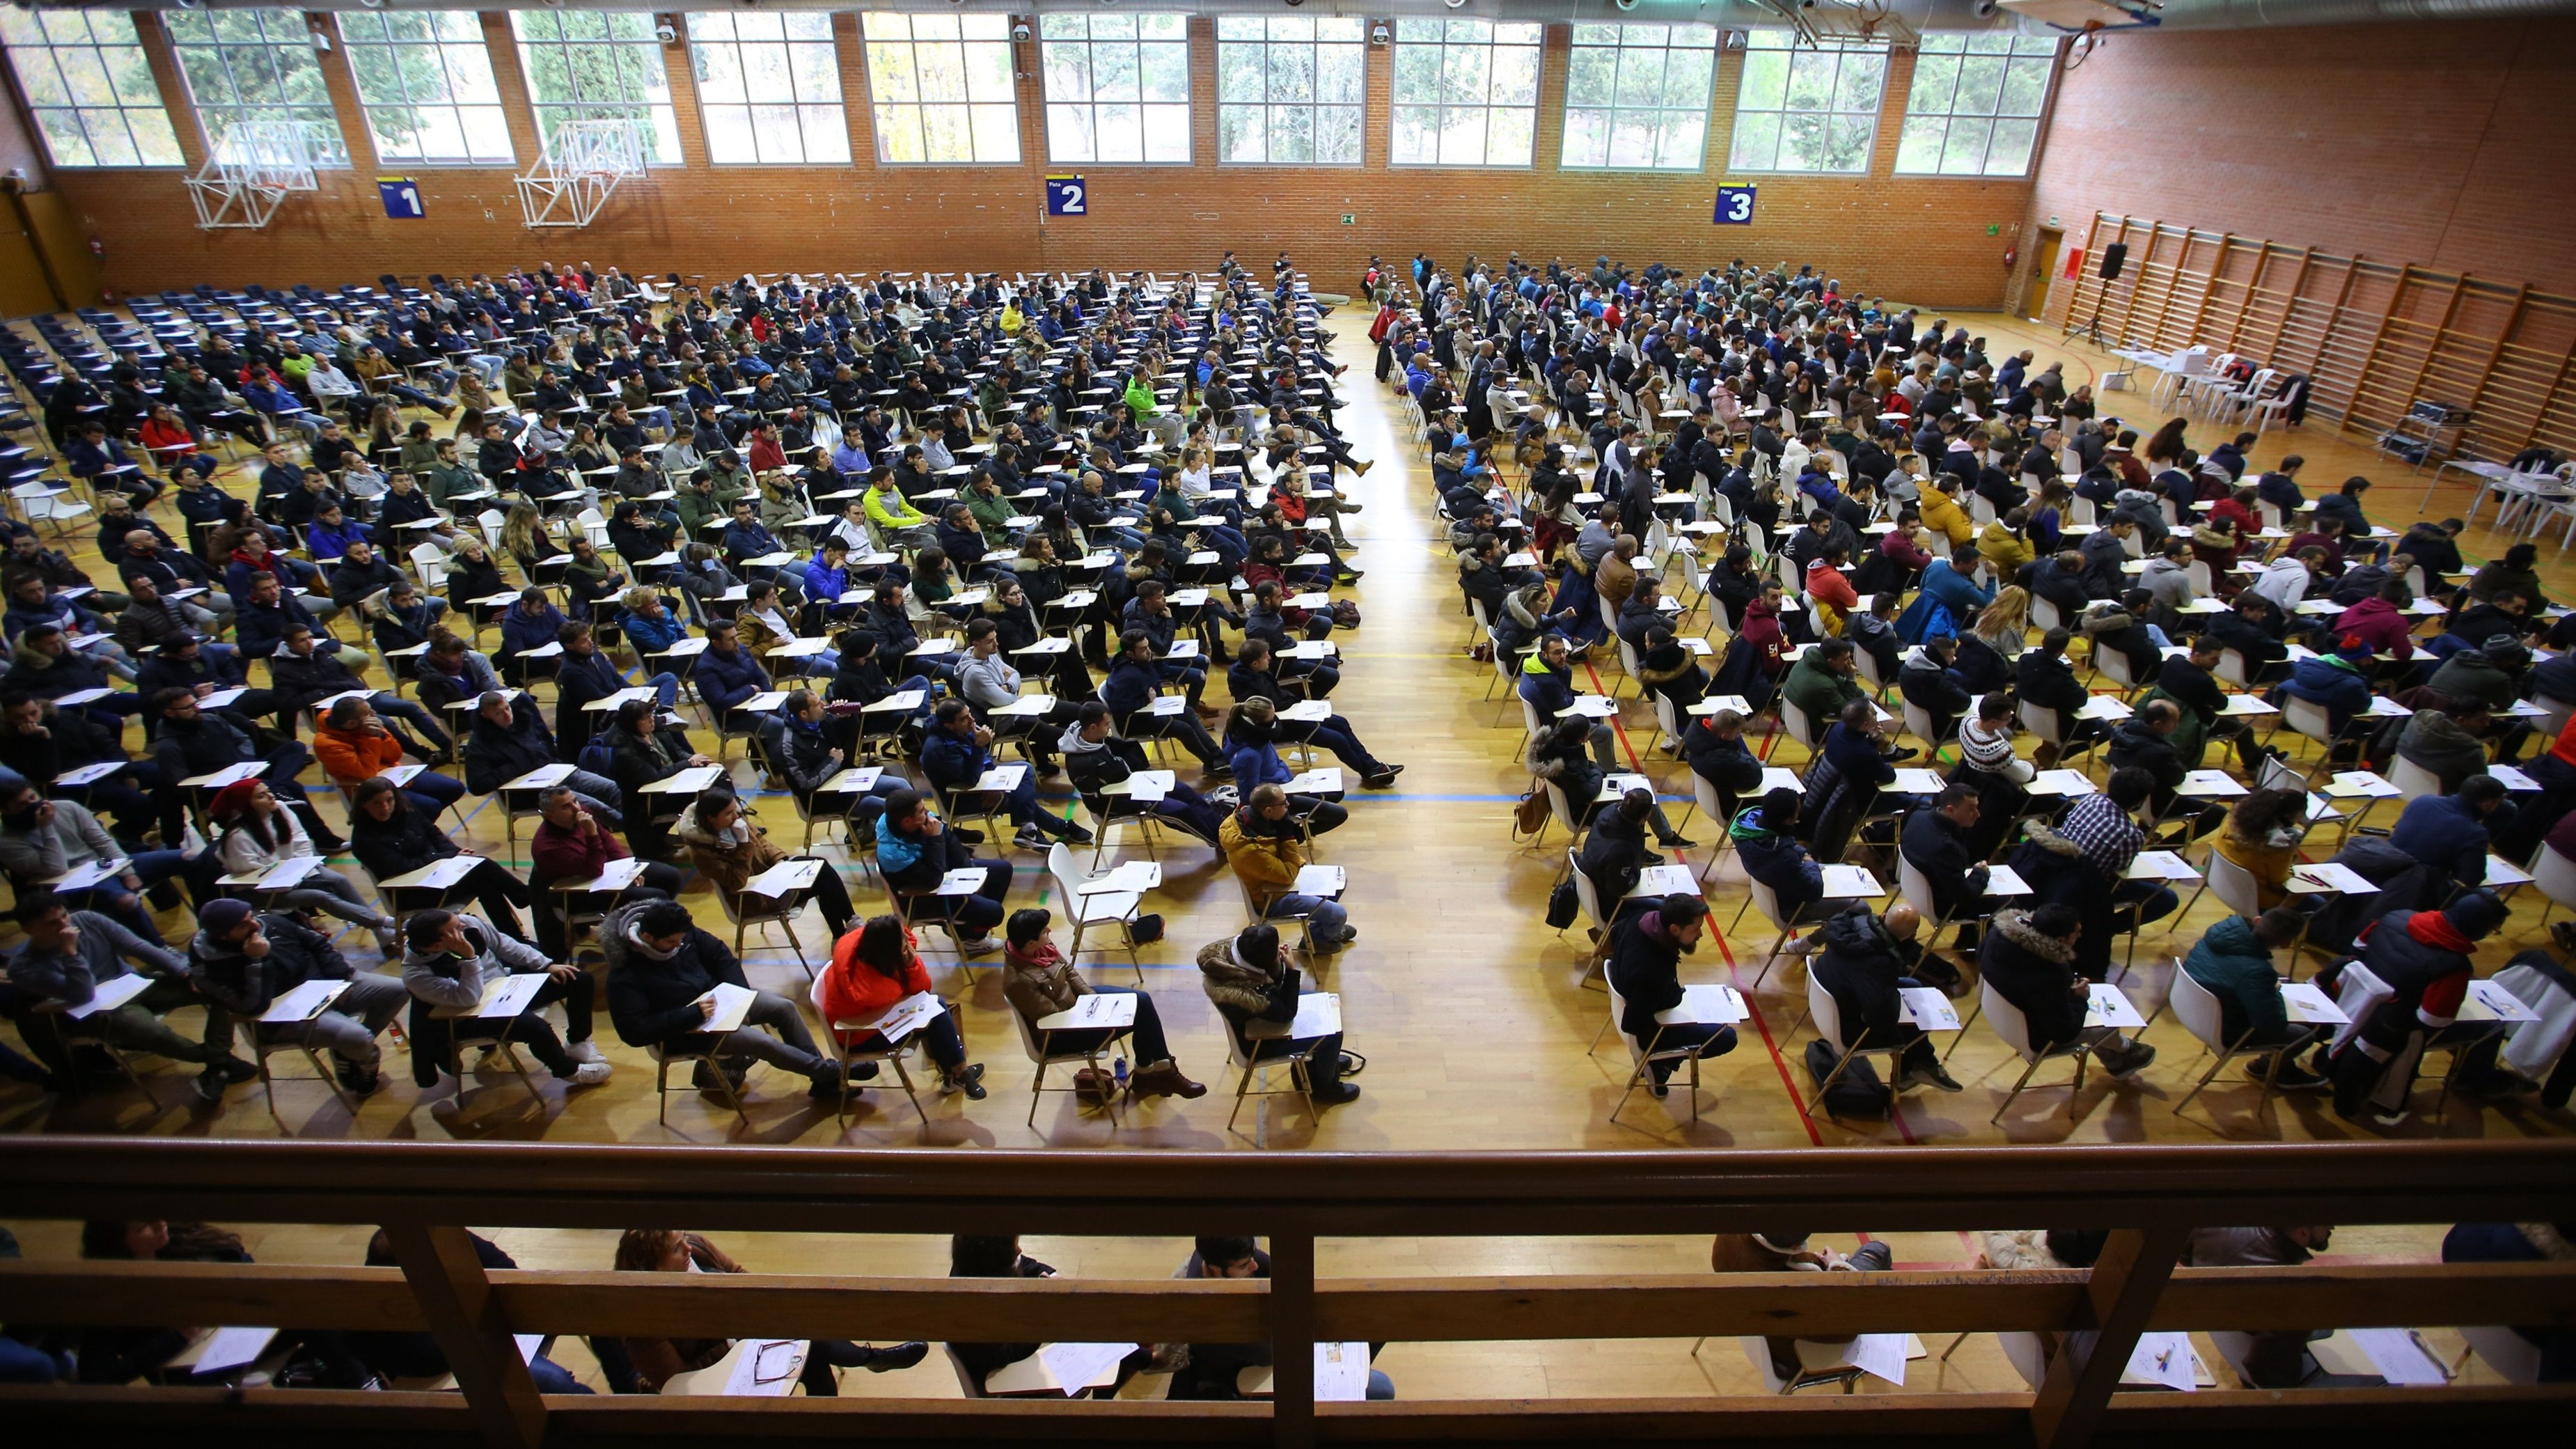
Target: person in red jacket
[2382,620]
[570,844]
[874,967]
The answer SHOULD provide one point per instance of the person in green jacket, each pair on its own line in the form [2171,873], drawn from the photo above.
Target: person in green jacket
[2234,961]
[1822,682]
[1139,399]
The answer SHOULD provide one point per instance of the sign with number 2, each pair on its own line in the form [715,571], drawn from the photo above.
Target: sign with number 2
[1734,206]
[1067,196]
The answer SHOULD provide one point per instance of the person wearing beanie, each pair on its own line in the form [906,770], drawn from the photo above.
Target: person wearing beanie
[254,833]
[244,961]
[2423,957]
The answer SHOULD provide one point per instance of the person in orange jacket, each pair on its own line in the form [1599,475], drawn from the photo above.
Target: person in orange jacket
[352,745]
[874,967]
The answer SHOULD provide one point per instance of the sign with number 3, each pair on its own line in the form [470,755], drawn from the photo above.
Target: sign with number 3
[1067,196]
[1734,206]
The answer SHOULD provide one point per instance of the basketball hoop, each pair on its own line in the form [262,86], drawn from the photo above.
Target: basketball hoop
[583,165]
[256,166]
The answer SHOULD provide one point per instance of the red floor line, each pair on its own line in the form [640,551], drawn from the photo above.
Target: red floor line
[1778,1064]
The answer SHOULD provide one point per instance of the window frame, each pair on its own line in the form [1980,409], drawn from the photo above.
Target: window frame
[50,51]
[1091,43]
[1315,46]
[1448,45]
[441,45]
[297,43]
[838,105]
[2020,50]
[662,116]
[1706,110]
[1834,47]
[911,44]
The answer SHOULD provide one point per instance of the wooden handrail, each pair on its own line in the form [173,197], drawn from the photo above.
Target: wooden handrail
[425,1195]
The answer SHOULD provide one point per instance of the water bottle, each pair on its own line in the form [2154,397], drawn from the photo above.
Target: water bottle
[1118,1072]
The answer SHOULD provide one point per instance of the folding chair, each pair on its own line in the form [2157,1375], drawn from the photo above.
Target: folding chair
[2014,1029]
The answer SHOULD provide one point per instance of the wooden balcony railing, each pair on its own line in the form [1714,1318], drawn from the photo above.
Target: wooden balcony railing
[427,1195]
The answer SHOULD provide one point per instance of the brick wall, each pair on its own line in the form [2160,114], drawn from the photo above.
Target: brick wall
[1919,239]
[2440,144]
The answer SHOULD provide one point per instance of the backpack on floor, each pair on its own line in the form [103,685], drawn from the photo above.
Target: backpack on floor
[1857,1093]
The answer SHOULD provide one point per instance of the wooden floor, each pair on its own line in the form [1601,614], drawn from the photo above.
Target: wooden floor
[1467,1007]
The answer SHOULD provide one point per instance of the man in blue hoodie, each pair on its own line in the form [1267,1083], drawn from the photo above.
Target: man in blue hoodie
[2453,833]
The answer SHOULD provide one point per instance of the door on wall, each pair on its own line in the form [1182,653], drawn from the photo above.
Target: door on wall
[2043,267]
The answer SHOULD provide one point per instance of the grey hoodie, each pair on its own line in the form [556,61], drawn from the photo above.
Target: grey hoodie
[445,980]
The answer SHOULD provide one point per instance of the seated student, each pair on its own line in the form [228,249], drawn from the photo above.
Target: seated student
[1644,965]
[2338,680]
[447,960]
[726,848]
[972,1256]
[2454,833]
[1939,842]
[659,1360]
[41,839]
[352,744]
[1714,746]
[574,841]
[1134,680]
[1248,978]
[254,833]
[1789,1252]
[395,1354]
[1095,757]
[1265,842]
[1251,730]
[2029,959]
[2524,1243]
[642,750]
[2233,960]
[69,954]
[2424,957]
[1866,961]
[873,967]
[1212,1370]
[1040,981]
[660,966]
[1252,678]
[2263,835]
[2042,677]
[1614,854]
[1765,842]
[2276,1358]
[510,739]
[2144,741]
[1822,682]
[915,852]
[113,1356]
[243,962]
[958,751]
[797,742]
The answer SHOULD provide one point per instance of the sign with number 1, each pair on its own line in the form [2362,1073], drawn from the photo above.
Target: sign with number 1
[401,197]
[1067,196]
[1734,206]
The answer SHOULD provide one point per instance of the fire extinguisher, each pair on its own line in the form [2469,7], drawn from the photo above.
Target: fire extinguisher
[2011,255]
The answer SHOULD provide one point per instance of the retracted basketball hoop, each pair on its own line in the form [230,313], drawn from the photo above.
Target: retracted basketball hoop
[582,167]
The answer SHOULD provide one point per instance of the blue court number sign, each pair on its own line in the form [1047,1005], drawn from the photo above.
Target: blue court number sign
[1734,206]
[401,197]
[1068,196]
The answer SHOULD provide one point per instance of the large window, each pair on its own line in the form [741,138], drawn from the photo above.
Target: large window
[940,90]
[425,80]
[254,67]
[1290,89]
[1117,87]
[1637,96]
[1466,93]
[1974,109]
[769,87]
[85,77]
[1811,108]
[597,65]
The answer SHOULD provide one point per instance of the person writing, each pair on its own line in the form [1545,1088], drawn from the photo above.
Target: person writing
[1248,977]
[1039,981]
[659,1360]
[1645,968]
[873,968]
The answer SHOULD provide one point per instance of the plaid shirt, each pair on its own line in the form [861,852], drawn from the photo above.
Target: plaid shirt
[2106,835]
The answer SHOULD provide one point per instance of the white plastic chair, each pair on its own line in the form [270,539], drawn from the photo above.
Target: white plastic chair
[1100,908]
[2412,780]
[1643,1055]
[2203,1016]
[2014,1029]
[2554,875]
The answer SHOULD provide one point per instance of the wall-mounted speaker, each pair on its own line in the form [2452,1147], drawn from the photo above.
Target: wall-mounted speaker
[2114,257]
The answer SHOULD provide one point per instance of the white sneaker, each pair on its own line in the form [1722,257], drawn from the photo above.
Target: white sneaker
[591,1074]
[586,1052]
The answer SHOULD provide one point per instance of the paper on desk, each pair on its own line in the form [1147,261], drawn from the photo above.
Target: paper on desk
[2329,876]
[1066,1368]
[1308,711]
[787,875]
[2160,865]
[1919,781]
[1666,880]
[2003,880]
[1001,779]
[1851,882]
[438,875]
[1929,1009]
[2107,1005]
[616,875]
[1097,1011]
[1321,780]
[503,996]
[1780,777]
[228,775]
[2350,783]
[1319,1013]
[303,1003]
[110,994]
[86,773]
[1705,1006]
[2215,783]
[2400,1357]
[232,1348]
[88,873]
[765,1367]
[286,873]
[1879,1355]
[2307,1004]
[1341,1373]
[1320,880]
[1134,877]
[2491,1002]
[965,880]
[2060,782]
[733,1003]
[543,777]
[909,1015]
[2163,1359]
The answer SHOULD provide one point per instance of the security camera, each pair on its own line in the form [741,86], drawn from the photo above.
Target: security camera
[1379,34]
[666,33]
[1019,31]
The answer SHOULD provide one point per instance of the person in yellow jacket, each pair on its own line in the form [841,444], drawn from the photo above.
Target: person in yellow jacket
[897,521]
[1012,319]
[1943,512]
[1264,843]
[2004,546]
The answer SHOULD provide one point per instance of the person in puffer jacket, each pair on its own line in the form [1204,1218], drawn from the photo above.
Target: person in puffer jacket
[1773,856]
[2423,956]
